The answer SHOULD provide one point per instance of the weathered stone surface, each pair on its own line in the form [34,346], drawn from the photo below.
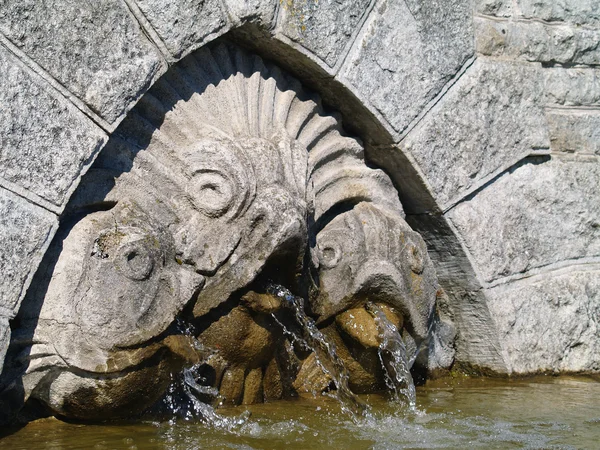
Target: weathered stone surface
[490,119]
[399,79]
[45,142]
[385,261]
[324,27]
[528,218]
[498,8]
[532,216]
[95,49]
[463,302]
[550,322]
[184,24]
[311,379]
[573,97]
[246,340]
[577,12]
[571,87]
[209,196]
[26,230]
[260,12]
[359,324]
[536,41]
[574,131]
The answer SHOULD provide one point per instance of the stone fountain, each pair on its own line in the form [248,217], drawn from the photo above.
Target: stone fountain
[227,191]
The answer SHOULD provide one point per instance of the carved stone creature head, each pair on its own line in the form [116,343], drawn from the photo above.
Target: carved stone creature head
[114,289]
[116,284]
[269,223]
[124,274]
[368,254]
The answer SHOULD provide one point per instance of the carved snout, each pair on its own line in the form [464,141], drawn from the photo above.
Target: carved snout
[381,281]
[272,233]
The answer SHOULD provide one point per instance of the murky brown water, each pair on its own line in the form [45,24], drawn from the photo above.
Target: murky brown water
[544,412]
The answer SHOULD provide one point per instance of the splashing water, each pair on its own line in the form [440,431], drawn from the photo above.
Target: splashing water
[183,400]
[187,390]
[325,351]
[460,413]
[394,359]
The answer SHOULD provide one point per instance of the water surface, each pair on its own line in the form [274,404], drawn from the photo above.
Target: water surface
[544,412]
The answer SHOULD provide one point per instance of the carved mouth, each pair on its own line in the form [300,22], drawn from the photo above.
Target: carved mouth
[360,327]
[358,323]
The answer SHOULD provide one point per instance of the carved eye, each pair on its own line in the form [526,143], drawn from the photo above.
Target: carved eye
[212,192]
[330,255]
[135,260]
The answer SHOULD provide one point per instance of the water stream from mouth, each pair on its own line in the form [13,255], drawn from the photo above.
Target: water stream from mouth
[187,397]
[394,359]
[191,397]
[311,339]
[543,412]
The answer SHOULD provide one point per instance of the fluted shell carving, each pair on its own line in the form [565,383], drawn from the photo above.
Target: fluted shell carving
[226,171]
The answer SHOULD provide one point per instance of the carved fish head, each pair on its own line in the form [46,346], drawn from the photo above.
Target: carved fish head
[367,254]
[115,288]
[116,284]
[271,225]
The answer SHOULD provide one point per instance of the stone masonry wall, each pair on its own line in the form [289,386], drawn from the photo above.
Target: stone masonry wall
[534,229]
[486,114]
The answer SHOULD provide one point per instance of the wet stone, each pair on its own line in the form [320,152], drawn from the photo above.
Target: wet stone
[203,200]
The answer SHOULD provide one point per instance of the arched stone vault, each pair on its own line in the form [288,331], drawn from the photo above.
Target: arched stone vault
[484,115]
